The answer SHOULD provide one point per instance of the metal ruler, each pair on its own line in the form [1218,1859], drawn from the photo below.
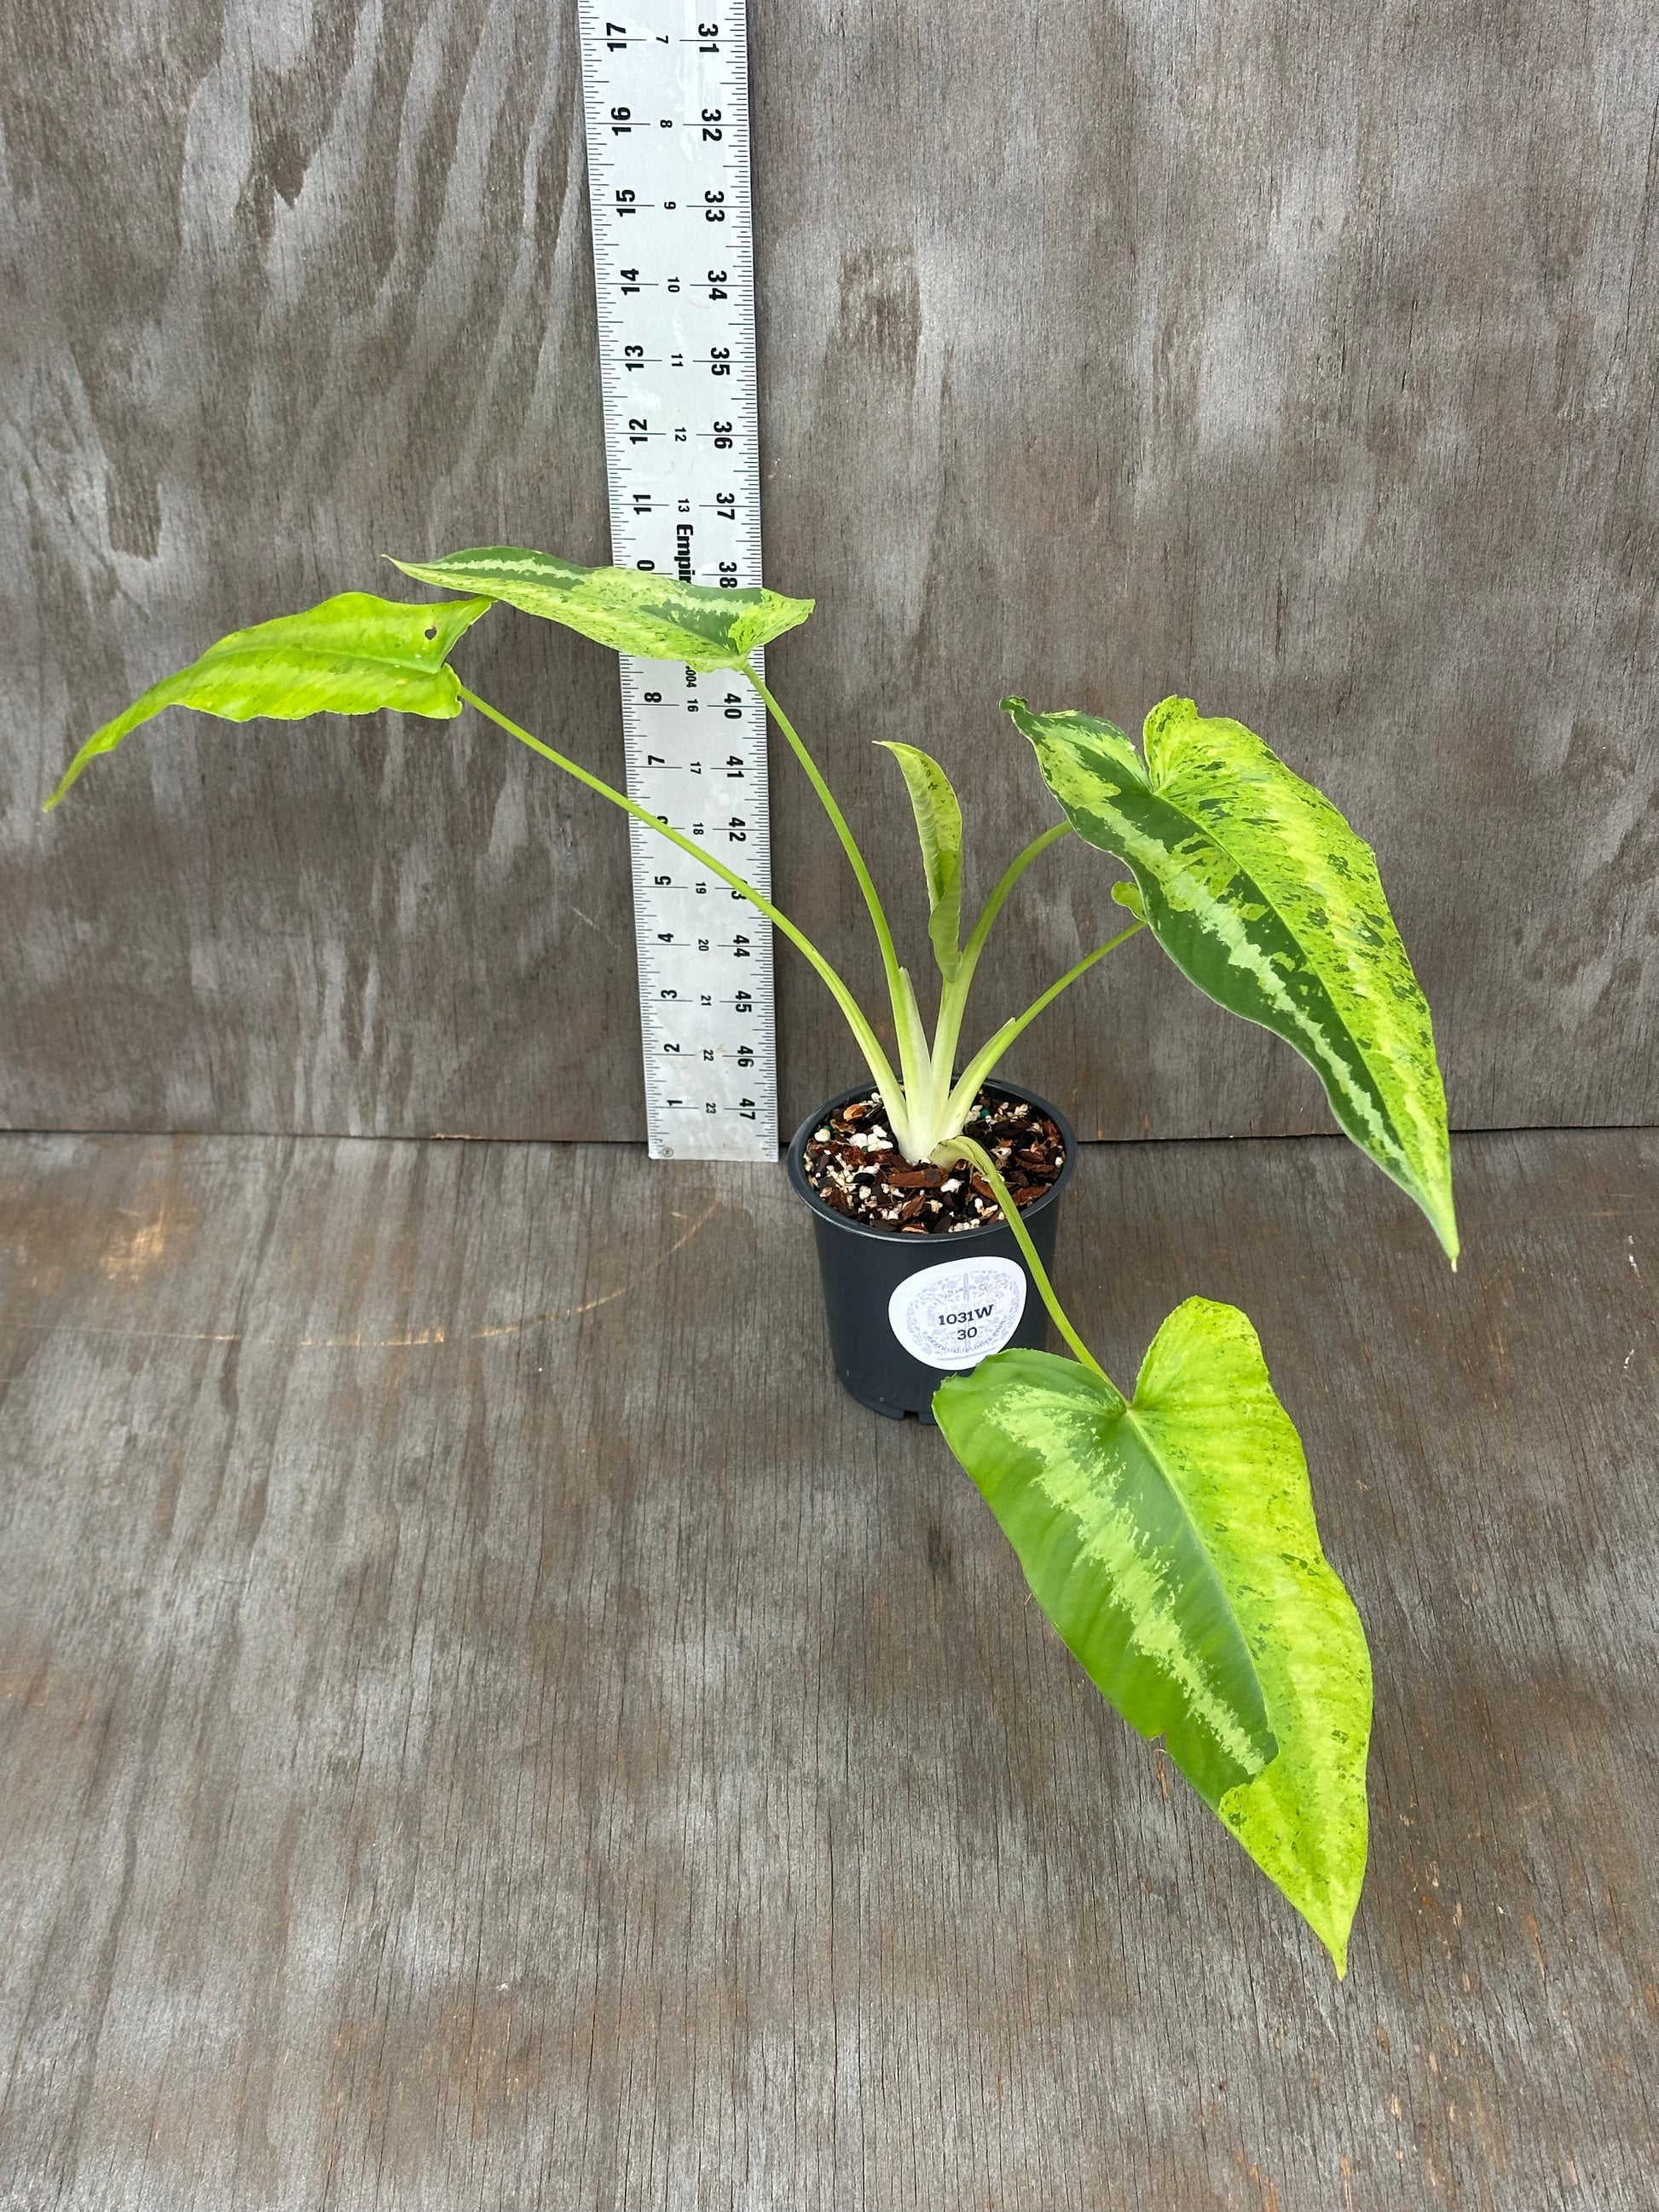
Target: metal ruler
[665,94]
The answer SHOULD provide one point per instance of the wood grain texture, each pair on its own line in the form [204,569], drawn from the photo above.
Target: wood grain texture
[486,1724]
[1301,360]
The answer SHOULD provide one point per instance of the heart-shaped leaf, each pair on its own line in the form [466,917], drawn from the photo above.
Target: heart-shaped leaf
[1262,894]
[939,827]
[1171,1540]
[635,610]
[352,655]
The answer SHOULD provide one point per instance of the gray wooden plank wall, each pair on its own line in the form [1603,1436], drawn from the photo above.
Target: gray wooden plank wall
[486,1722]
[1302,358]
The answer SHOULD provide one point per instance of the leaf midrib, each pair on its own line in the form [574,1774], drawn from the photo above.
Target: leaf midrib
[313,654]
[1129,1414]
[1175,1492]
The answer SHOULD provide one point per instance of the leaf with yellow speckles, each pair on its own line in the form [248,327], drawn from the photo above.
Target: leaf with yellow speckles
[1171,1540]
[352,655]
[1262,894]
[632,610]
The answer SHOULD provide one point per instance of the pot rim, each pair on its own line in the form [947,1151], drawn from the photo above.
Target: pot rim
[954,1240]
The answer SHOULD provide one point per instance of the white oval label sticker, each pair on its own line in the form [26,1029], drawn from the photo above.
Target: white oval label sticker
[956,1316]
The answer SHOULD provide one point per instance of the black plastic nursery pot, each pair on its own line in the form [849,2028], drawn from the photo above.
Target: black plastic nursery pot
[906,1311]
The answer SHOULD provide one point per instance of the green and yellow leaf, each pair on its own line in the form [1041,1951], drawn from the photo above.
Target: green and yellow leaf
[1262,894]
[938,827]
[1171,1540]
[352,655]
[1116,1557]
[631,610]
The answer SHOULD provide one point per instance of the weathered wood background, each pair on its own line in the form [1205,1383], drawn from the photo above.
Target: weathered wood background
[486,1722]
[1300,358]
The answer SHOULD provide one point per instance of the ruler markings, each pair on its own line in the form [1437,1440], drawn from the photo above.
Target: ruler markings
[665,90]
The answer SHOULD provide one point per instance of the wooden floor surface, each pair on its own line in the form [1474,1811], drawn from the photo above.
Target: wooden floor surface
[487,1724]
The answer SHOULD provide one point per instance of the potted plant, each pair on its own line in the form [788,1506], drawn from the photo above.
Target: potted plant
[1167,1535]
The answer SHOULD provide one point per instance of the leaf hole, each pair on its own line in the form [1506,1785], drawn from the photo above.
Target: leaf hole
[433,631]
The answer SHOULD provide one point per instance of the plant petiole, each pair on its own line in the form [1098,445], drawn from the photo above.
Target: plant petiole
[916,1099]
[868,1043]
[967,1147]
[962,1098]
[954,990]
[890,960]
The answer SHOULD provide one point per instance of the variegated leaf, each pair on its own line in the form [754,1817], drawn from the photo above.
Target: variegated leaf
[1115,1556]
[352,655]
[1260,893]
[1172,1542]
[632,610]
[939,827]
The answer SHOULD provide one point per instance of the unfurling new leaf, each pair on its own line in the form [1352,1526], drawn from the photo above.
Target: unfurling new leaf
[939,827]
[1260,893]
[1171,1540]
[353,654]
[632,610]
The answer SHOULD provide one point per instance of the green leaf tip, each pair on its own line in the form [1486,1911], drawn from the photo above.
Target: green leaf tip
[1171,1540]
[350,655]
[633,610]
[1262,895]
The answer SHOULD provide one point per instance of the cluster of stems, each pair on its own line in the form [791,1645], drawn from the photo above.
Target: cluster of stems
[927,1108]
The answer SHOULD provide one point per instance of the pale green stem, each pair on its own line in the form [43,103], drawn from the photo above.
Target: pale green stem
[868,1043]
[953,993]
[849,845]
[1011,876]
[922,1095]
[988,1167]
[962,1098]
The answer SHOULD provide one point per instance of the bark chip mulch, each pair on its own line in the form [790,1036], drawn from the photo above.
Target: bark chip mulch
[853,1164]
